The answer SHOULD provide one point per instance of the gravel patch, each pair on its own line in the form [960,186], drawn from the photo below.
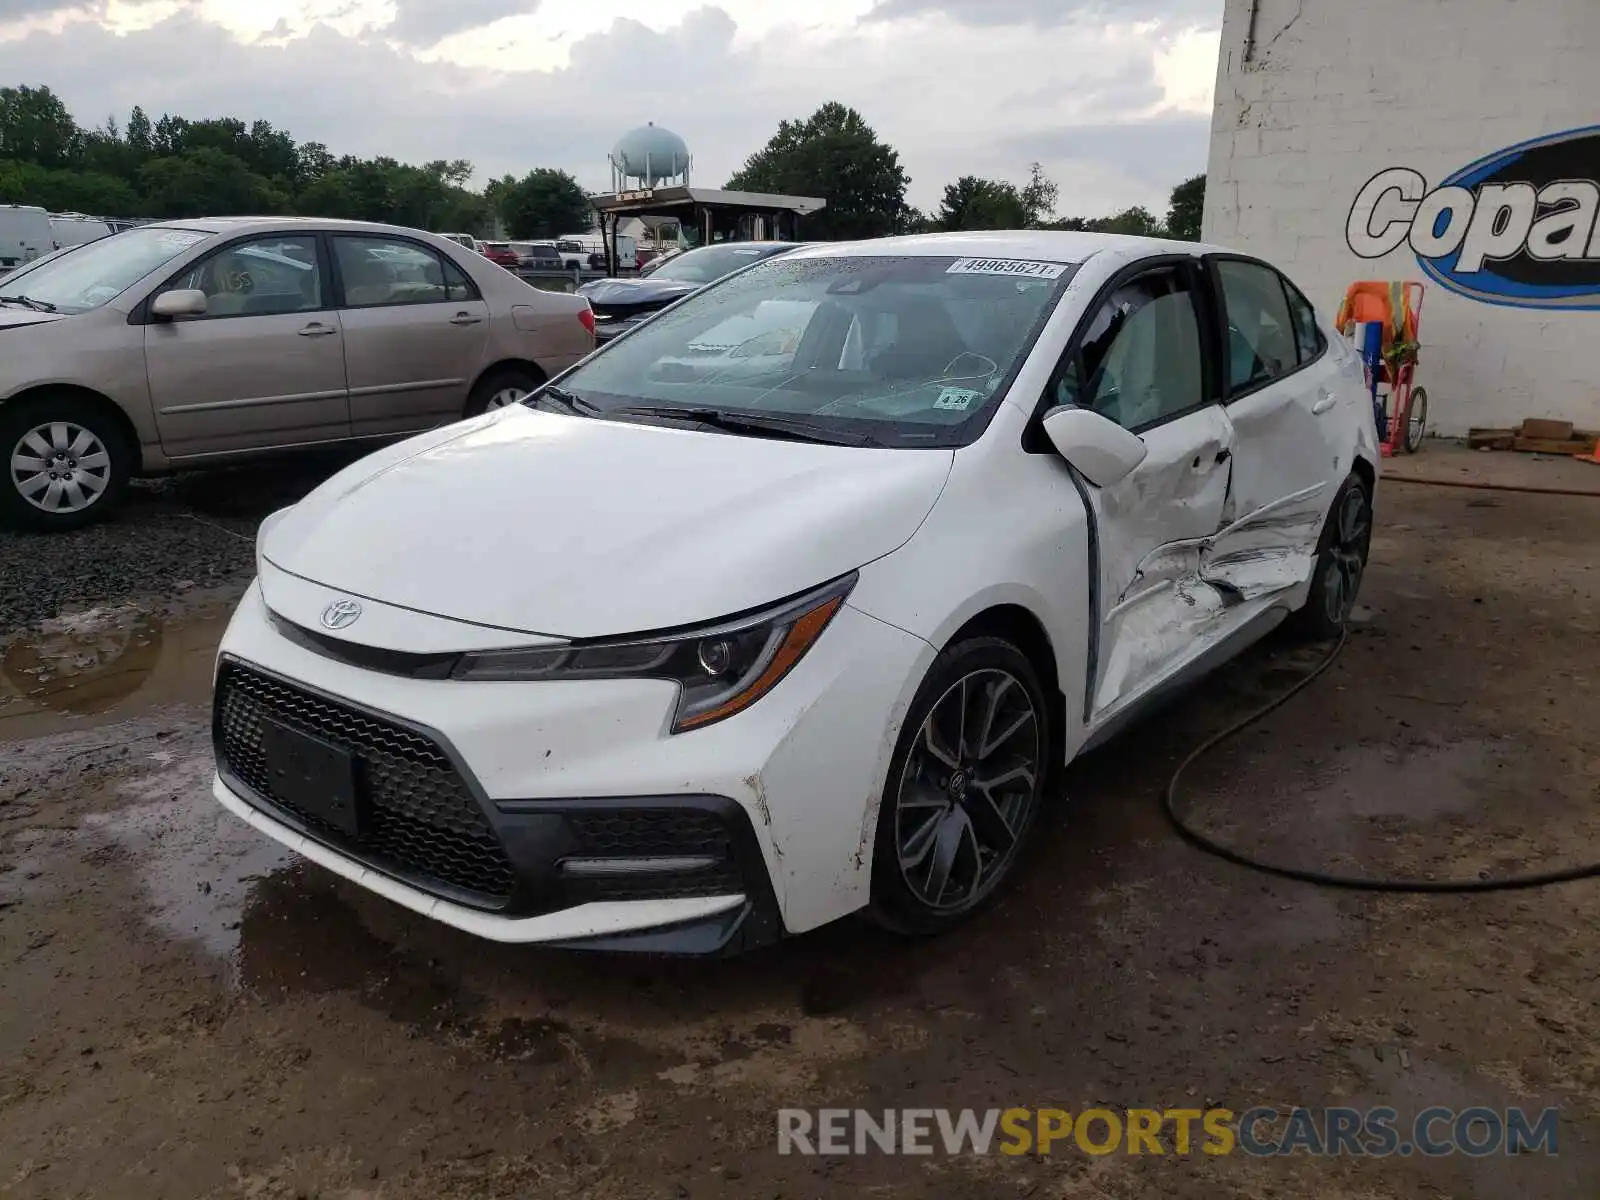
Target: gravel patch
[189,533]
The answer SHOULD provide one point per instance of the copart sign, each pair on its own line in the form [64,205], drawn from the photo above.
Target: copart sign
[1520,227]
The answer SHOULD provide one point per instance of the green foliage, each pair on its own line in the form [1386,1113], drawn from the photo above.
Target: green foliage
[973,203]
[36,127]
[1188,206]
[835,155]
[1138,220]
[544,203]
[179,167]
[208,182]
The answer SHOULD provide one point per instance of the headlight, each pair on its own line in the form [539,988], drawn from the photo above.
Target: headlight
[720,669]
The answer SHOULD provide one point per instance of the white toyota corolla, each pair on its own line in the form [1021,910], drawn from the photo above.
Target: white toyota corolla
[686,660]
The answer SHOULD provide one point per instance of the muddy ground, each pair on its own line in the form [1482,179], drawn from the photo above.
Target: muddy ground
[186,1012]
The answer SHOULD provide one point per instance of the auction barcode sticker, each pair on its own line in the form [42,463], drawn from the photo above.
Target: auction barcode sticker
[1019,268]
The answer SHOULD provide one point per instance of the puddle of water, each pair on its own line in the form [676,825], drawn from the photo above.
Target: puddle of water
[105,662]
[197,861]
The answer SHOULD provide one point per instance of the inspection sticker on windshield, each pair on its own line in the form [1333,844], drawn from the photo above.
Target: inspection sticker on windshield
[1016,267]
[959,399]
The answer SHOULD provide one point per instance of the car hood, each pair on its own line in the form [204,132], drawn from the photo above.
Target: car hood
[577,527]
[16,318]
[635,293]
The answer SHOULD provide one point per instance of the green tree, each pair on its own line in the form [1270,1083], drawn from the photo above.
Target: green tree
[36,127]
[546,203]
[835,155]
[1136,220]
[1039,196]
[207,182]
[1188,206]
[973,203]
[138,134]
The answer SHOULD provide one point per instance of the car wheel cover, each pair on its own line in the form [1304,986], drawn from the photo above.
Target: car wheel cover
[1347,556]
[507,396]
[60,467]
[967,790]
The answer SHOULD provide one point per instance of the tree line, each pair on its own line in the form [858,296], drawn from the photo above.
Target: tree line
[175,166]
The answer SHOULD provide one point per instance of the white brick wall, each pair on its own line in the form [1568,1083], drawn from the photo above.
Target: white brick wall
[1338,90]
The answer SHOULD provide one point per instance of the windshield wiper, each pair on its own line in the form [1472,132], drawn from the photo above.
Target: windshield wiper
[569,400]
[767,424]
[29,302]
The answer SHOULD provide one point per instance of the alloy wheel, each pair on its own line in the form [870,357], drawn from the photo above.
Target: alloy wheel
[506,397]
[968,789]
[1347,555]
[60,467]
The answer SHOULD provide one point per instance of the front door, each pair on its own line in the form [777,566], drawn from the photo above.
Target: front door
[1142,362]
[264,367]
[416,330]
[1293,414]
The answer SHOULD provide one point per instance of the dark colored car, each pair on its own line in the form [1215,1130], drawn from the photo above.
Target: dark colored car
[620,304]
[541,258]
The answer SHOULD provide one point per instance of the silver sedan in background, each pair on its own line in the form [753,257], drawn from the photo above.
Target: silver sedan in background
[199,342]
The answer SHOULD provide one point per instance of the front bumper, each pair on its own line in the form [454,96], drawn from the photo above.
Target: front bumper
[564,812]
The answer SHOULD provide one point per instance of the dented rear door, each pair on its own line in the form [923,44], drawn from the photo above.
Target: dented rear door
[1290,413]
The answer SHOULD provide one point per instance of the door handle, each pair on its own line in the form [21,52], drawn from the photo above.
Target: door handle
[1325,402]
[318,329]
[464,319]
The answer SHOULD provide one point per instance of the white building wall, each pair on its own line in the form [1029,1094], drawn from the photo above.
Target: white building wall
[1332,92]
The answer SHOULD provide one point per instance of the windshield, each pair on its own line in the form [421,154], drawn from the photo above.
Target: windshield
[906,350]
[99,272]
[710,264]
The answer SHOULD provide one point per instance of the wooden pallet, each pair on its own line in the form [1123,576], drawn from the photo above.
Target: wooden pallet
[1536,435]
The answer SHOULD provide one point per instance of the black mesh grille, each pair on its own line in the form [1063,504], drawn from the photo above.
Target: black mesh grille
[420,817]
[653,833]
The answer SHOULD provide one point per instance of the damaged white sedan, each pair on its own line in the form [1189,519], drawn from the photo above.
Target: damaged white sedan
[685,661]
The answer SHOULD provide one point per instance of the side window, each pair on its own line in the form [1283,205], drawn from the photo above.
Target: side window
[456,284]
[1262,344]
[1307,335]
[258,278]
[380,271]
[1140,360]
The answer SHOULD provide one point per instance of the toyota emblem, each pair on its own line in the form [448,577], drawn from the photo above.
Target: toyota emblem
[341,613]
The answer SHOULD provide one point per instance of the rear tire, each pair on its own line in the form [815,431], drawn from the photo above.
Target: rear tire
[1341,564]
[64,463]
[502,387]
[965,783]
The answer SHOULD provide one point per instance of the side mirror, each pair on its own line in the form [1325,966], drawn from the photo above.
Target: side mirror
[182,302]
[1102,451]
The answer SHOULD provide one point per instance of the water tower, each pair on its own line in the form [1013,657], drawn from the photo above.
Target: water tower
[648,156]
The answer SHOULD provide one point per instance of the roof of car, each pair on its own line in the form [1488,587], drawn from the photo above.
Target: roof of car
[1049,245]
[277,224]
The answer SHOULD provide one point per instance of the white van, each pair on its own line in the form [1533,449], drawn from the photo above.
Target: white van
[25,234]
[74,229]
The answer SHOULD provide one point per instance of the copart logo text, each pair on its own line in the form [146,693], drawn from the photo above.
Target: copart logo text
[1520,227]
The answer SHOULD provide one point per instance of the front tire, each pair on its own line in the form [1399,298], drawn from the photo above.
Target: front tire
[1341,563]
[503,387]
[1416,420]
[66,463]
[965,784]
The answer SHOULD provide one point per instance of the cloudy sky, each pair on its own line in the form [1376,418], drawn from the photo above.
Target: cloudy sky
[1113,96]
